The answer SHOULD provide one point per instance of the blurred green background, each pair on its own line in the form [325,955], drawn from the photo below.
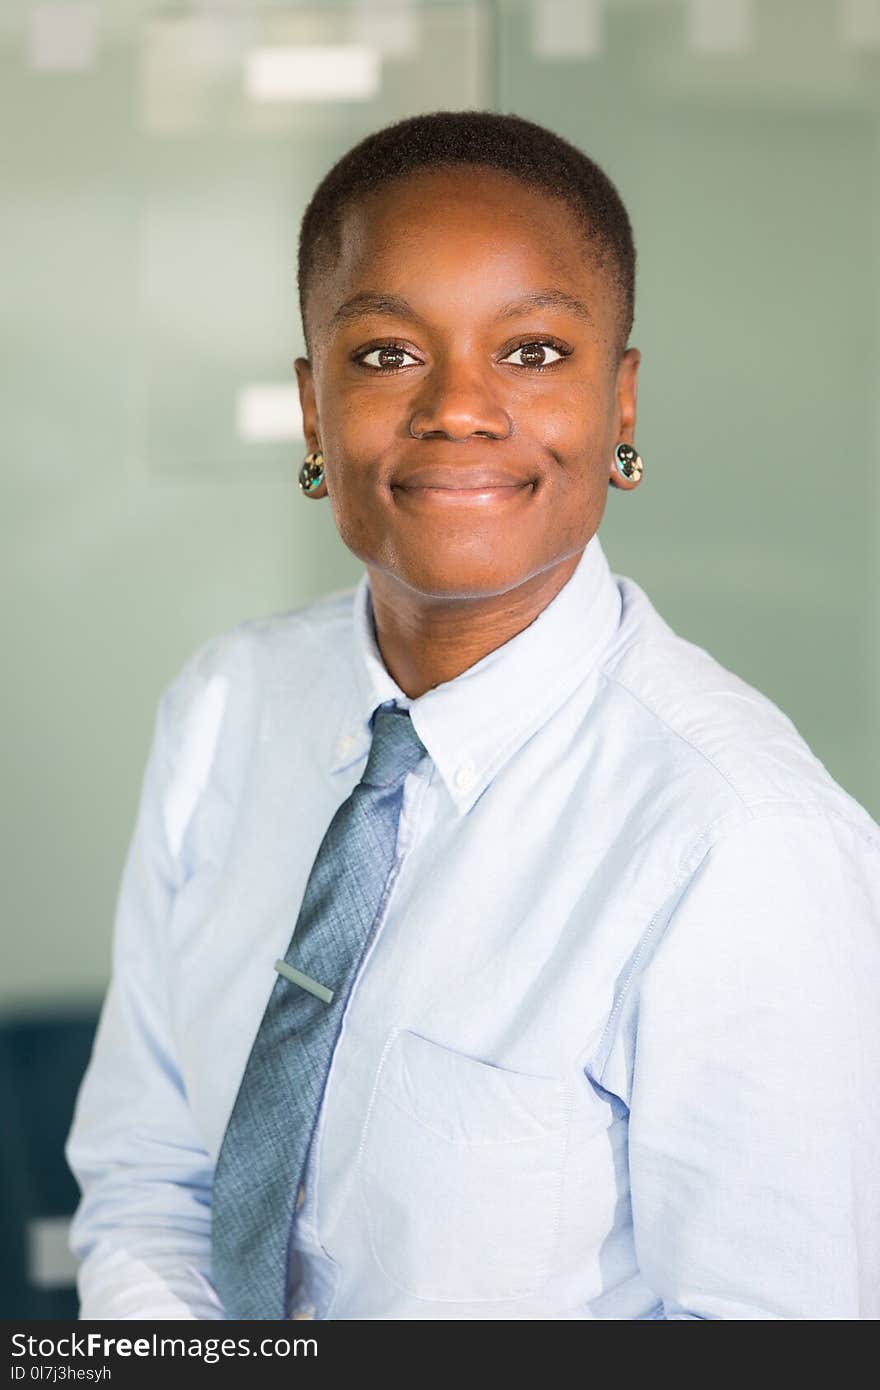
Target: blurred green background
[155,168]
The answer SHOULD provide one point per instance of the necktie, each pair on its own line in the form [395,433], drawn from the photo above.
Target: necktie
[264,1149]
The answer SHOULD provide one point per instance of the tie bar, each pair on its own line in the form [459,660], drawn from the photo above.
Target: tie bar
[304,981]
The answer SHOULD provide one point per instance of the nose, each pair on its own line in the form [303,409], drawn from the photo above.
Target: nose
[455,401]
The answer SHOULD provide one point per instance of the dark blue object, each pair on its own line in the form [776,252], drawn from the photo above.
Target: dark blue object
[42,1061]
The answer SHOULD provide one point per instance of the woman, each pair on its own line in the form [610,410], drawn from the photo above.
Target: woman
[577,1020]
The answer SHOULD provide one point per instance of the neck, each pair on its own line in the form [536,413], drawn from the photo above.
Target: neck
[425,641]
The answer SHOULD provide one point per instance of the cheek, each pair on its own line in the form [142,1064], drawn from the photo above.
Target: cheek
[572,423]
[578,486]
[356,447]
[580,430]
[360,411]
[350,513]
[354,491]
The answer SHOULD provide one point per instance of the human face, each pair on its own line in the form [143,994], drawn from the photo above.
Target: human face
[511,411]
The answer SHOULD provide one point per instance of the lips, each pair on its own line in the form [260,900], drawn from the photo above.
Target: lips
[460,478]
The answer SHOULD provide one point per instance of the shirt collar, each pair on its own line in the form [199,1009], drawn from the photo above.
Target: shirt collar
[473,724]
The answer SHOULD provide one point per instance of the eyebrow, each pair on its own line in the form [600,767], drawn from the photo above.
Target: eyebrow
[395,306]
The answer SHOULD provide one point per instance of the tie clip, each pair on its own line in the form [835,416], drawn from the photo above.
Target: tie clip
[304,981]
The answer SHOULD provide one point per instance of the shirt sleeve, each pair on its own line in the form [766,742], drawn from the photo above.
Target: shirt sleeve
[754,1127]
[142,1230]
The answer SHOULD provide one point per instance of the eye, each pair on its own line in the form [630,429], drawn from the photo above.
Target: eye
[394,351]
[535,352]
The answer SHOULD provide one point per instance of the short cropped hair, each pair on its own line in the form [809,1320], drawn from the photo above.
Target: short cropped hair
[539,157]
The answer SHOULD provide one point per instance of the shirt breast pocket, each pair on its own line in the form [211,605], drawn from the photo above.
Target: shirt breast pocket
[460,1171]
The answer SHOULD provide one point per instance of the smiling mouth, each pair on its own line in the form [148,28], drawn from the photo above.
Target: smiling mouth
[453,496]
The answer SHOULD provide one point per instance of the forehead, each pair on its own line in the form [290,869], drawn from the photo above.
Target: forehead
[466,236]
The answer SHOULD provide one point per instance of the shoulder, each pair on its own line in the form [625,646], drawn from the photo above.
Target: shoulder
[286,648]
[768,908]
[222,703]
[715,728]
[771,870]
[225,696]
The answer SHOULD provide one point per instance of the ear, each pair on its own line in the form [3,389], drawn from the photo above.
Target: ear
[627,393]
[306,383]
[626,389]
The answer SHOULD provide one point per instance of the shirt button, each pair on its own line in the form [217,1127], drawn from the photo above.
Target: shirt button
[465,776]
[304,1314]
[300,1197]
[344,745]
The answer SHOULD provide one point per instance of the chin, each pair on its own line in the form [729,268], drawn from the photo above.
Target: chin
[439,575]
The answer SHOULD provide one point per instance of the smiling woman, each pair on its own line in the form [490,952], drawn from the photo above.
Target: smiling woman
[513,958]
[466,308]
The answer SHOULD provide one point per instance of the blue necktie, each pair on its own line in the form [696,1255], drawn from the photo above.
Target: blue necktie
[263,1154]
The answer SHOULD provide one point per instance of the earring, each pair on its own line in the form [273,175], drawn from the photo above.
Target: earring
[628,463]
[311,475]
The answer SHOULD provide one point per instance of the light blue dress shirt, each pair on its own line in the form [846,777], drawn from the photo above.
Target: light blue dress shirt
[613,1050]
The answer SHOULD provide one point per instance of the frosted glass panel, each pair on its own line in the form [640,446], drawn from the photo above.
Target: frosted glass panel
[152,431]
[744,140]
[156,163]
[241,118]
